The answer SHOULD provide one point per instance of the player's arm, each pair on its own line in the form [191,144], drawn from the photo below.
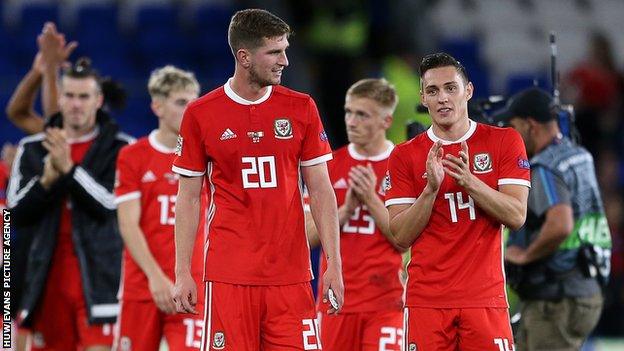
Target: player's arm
[407,221]
[508,204]
[20,109]
[344,213]
[187,211]
[325,214]
[129,216]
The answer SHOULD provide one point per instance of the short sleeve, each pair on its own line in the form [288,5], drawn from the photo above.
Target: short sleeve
[127,181]
[399,184]
[548,190]
[316,147]
[514,164]
[191,159]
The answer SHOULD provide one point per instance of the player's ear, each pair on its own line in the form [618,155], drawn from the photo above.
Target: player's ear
[243,57]
[157,107]
[387,120]
[469,90]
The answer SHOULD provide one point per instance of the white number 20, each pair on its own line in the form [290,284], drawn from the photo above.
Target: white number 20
[257,167]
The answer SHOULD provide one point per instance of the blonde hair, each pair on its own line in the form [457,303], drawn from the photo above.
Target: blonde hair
[165,80]
[376,89]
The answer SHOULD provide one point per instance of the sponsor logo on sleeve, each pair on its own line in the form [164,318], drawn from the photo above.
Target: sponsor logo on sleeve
[178,148]
[523,163]
[323,136]
[386,184]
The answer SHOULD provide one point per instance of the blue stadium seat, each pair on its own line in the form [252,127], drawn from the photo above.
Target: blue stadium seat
[520,81]
[211,28]
[33,16]
[97,29]
[464,50]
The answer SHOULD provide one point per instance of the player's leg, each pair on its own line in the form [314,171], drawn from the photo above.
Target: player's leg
[231,317]
[55,313]
[341,331]
[484,329]
[430,329]
[139,325]
[289,321]
[383,331]
[183,332]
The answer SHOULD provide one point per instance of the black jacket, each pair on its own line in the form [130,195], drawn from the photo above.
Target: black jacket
[36,213]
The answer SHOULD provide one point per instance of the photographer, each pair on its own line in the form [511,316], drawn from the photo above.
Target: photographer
[559,260]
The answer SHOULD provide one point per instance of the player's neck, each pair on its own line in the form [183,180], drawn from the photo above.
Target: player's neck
[166,138]
[74,134]
[246,89]
[372,149]
[452,132]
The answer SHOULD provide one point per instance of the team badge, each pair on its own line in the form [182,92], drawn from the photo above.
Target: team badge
[412,347]
[255,136]
[283,128]
[482,163]
[178,148]
[218,341]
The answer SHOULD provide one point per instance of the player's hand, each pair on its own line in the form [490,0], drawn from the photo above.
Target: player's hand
[161,288]
[53,48]
[459,167]
[58,150]
[50,175]
[363,182]
[351,201]
[435,169]
[185,294]
[333,279]
[516,255]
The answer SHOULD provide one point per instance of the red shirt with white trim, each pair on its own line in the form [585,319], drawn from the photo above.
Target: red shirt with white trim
[144,173]
[251,153]
[457,261]
[371,267]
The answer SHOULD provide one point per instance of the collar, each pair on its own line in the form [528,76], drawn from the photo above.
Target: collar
[85,138]
[158,145]
[382,156]
[238,99]
[472,126]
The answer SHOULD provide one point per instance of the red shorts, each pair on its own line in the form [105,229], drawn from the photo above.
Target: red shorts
[141,325]
[60,322]
[370,331]
[253,318]
[466,329]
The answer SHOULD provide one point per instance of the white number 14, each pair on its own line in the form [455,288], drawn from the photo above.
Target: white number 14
[454,205]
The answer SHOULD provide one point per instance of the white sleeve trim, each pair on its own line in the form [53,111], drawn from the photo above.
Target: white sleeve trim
[105,310]
[306,208]
[127,197]
[400,201]
[187,172]
[317,160]
[514,181]
[95,189]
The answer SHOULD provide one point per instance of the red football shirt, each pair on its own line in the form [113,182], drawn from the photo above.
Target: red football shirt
[4,179]
[457,261]
[251,153]
[144,172]
[371,267]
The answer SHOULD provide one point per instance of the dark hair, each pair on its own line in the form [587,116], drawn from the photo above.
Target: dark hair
[249,27]
[82,69]
[441,59]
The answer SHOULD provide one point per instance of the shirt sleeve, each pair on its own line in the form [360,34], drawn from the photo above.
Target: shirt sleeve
[127,182]
[514,164]
[399,183]
[191,158]
[548,190]
[316,147]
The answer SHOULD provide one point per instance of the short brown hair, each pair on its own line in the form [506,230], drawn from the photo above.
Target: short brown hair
[376,89]
[249,27]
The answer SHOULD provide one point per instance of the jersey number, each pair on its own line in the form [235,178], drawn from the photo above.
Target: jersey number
[503,344]
[167,209]
[456,201]
[260,173]
[360,214]
[311,340]
[390,336]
